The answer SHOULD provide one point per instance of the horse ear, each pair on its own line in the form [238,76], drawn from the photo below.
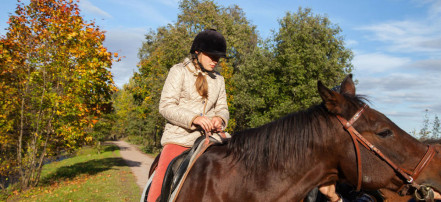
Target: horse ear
[348,86]
[331,98]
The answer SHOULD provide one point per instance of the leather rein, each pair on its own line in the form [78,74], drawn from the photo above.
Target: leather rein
[407,176]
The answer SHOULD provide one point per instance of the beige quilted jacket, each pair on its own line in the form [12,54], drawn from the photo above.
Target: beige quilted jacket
[180,104]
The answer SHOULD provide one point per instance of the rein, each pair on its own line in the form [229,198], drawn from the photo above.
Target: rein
[408,176]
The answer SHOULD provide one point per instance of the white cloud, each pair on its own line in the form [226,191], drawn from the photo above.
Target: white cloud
[403,86]
[407,36]
[435,10]
[410,36]
[434,43]
[87,6]
[431,66]
[144,11]
[350,43]
[437,108]
[370,63]
[403,96]
[126,42]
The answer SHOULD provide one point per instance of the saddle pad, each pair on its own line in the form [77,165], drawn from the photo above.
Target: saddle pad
[179,180]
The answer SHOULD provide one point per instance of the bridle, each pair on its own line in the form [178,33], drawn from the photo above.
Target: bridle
[408,177]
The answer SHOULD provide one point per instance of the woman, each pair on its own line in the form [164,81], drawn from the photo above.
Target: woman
[193,100]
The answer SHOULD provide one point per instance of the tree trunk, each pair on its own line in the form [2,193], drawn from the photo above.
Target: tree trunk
[21,166]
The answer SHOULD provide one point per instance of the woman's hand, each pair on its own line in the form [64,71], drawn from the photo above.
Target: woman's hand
[437,195]
[204,122]
[217,124]
[329,192]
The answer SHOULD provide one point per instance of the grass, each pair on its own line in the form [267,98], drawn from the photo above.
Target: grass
[86,177]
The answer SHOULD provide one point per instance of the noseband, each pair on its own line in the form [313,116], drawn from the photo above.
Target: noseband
[407,176]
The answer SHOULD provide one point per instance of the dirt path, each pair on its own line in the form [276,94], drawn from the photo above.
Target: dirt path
[136,160]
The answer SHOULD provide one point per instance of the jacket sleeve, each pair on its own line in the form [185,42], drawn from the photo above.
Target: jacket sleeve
[221,107]
[169,103]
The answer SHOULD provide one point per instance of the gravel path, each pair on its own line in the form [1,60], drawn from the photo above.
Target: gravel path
[136,160]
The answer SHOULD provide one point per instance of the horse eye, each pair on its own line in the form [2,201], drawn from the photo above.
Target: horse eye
[385,133]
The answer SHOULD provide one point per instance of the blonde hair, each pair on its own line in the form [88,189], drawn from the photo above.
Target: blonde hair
[201,83]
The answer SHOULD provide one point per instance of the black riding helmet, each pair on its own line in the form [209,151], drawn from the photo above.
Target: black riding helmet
[210,42]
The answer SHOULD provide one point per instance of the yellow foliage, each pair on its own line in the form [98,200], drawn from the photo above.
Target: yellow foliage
[67,53]
[89,139]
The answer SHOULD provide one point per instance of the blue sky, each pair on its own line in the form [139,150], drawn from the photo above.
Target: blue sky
[397,43]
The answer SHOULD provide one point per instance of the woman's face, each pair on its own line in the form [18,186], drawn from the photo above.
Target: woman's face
[208,61]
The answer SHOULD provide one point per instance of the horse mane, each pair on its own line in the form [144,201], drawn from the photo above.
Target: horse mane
[286,141]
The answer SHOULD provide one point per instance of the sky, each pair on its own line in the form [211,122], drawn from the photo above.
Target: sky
[396,43]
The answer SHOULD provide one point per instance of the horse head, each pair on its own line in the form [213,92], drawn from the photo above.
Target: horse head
[400,148]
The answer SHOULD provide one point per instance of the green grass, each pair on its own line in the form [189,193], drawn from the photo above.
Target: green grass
[86,177]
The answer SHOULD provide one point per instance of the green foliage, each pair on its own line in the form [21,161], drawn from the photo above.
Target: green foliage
[258,81]
[102,130]
[281,77]
[123,107]
[135,122]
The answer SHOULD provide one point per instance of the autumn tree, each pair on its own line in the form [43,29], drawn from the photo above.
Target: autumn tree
[55,83]
[281,76]
[170,44]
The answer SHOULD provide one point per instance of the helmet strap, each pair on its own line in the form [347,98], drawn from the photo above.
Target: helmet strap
[210,73]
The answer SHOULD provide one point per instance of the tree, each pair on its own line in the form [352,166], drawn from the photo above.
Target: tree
[424,132]
[436,130]
[123,105]
[258,82]
[282,76]
[102,130]
[134,120]
[55,71]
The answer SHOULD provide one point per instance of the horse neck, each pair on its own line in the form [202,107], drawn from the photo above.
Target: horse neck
[292,142]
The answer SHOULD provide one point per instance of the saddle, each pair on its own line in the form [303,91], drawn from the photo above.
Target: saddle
[180,165]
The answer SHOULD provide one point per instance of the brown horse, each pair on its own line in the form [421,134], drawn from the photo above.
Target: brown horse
[285,159]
